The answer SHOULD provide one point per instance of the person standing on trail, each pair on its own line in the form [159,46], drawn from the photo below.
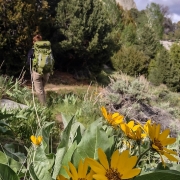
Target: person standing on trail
[37,62]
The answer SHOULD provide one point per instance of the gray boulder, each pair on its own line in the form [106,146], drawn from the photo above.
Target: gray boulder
[9,104]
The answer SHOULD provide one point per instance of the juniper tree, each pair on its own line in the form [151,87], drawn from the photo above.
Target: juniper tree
[173,80]
[147,42]
[159,68]
[84,40]
[131,61]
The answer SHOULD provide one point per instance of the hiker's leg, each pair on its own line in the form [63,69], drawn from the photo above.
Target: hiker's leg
[45,79]
[39,88]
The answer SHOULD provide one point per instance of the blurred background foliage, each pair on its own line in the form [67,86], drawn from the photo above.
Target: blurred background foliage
[88,34]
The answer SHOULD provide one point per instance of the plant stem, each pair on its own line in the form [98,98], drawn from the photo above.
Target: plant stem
[142,155]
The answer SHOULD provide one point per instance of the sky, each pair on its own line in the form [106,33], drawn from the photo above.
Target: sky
[174,7]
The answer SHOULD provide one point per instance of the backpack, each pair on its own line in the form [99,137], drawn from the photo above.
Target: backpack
[43,61]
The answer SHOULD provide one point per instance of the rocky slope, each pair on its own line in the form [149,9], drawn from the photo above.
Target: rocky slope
[127,4]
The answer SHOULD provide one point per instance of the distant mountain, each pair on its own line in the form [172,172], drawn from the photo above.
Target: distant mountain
[127,4]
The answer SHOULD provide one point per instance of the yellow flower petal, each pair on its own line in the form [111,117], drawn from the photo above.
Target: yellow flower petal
[73,171]
[36,140]
[130,124]
[100,177]
[103,159]
[90,175]
[170,157]
[95,166]
[129,164]
[33,139]
[80,169]
[157,131]
[115,159]
[60,177]
[132,173]
[168,141]
[170,151]
[68,172]
[104,112]
[122,159]
[164,134]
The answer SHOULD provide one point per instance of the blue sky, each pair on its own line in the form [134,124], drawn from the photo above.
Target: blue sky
[174,7]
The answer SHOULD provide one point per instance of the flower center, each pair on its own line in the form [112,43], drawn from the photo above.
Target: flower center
[113,174]
[158,144]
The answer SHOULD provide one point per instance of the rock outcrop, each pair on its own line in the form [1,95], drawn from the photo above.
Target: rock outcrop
[127,4]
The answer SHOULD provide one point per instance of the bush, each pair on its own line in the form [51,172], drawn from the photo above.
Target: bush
[131,61]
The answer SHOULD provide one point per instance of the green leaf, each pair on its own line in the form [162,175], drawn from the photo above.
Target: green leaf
[3,158]
[78,135]
[39,171]
[9,149]
[14,165]
[160,175]
[93,138]
[161,167]
[62,149]
[6,173]
[67,158]
[45,131]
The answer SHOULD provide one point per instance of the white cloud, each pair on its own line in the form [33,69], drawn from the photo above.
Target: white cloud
[173,6]
[175,18]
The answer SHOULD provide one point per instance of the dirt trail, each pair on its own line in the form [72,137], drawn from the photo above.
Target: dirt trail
[62,81]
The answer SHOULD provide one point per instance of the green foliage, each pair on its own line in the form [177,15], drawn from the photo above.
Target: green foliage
[7,173]
[147,41]
[130,60]
[84,27]
[159,67]
[18,21]
[128,35]
[155,18]
[173,81]
[157,175]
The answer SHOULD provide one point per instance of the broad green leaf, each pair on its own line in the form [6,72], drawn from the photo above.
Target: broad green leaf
[6,173]
[93,138]
[45,131]
[39,171]
[160,175]
[40,155]
[51,158]
[32,173]
[62,149]
[67,158]
[9,149]
[14,165]
[3,158]
[74,128]
[161,167]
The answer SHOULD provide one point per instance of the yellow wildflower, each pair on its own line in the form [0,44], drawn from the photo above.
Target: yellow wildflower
[132,131]
[36,140]
[113,119]
[120,167]
[159,141]
[60,177]
[81,173]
